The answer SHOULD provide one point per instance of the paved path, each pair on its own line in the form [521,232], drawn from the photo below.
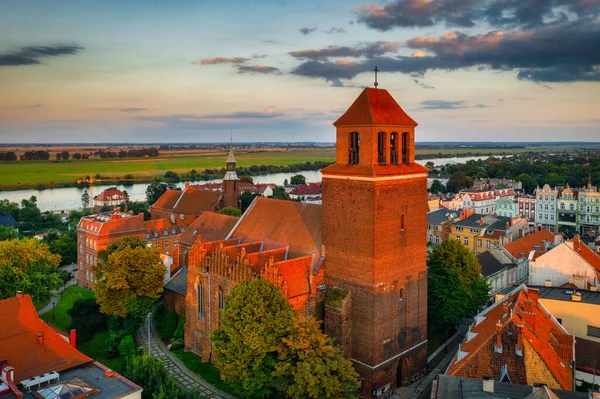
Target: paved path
[185,377]
[54,301]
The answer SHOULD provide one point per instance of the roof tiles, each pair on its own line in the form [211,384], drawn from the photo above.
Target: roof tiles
[528,243]
[375,107]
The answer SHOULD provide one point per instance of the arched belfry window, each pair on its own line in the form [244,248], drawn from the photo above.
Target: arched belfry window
[200,302]
[405,148]
[354,148]
[381,148]
[394,148]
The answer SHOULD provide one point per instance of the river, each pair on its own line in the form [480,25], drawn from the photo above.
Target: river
[69,198]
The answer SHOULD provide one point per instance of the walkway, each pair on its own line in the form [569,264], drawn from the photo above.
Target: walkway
[55,299]
[175,367]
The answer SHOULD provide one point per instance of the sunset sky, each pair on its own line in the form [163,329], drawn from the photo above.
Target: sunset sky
[191,71]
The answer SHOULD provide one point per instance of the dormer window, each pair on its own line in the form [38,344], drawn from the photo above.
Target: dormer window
[381,148]
[394,148]
[354,148]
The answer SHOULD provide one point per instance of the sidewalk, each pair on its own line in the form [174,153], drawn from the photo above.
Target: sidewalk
[175,367]
[55,300]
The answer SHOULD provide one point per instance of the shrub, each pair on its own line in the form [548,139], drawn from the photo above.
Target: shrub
[168,324]
[86,319]
[179,331]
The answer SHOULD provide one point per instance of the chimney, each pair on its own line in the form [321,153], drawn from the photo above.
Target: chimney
[507,225]
[520,339]
[40,339]
[498,337]
[73,338]
[172,218]
[19,295]
[481,221]
[548,283]
[576,296]
[488,384]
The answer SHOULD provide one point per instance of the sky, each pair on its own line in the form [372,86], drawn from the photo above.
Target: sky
[200,70]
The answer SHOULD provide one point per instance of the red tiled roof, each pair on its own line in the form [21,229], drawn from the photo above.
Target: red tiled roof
[107,195]
[477,356]
[19,329]
[258,259]
[307,189]
[197,201]
[279,223]
[112,223]
[167,200]
[159,225]
[210,226]
[295,275]
[526,244]
[587,254]
[375,107]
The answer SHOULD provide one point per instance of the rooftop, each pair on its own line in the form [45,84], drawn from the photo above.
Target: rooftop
[441,216]
[189,201]
[178,283]
[210,226]
[565,294]
[484,221]
[489,264]
[7,219]
[112,223]
[523,247]
[108,195]
[375,107]
[585,252]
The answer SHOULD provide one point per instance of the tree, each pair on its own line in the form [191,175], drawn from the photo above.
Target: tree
[130,277]
[298,179]
[65,246]
[28,266]
[457,182]
[279,193]
[77,155]
[156,189]
[7,232]
[429,164]
[231,211]
[286,183]
[153,376]
[247,179]
[85,199]
[246,199]
[311,367]
[437,187]
[456,288]
[255,320]
[64,155]
[86,319]
[138,207]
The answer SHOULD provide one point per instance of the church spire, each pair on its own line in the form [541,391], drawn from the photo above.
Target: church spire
[230,157]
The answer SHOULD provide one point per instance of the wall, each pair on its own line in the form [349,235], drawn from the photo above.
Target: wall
[575,316]
[558,265]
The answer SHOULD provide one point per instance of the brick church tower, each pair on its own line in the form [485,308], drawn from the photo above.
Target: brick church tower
[374,238]
[231,190]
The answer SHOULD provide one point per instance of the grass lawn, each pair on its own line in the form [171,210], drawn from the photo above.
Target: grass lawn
[61,318]
[95,350]
[39,305]
[205,370]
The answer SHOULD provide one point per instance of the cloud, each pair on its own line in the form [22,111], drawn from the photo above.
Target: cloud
[307,31]
[441,104]
[129,109]
[259,55]
[555,53]
[335,29]
[368,50]
[264,69]
[223,60]
[468,13]
[423,85]
[30,55]
[245,115]
[480,106]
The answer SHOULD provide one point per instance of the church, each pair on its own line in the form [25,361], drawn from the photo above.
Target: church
[357,262]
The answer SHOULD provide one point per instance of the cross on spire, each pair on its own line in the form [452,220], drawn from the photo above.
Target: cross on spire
[376,70]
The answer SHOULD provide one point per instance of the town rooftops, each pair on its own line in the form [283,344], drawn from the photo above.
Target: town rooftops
[489,264]
[162,228]
[307,189]
[566,294]
[29,345]
[538,243]
[112,223]
[210,226]
[441,216]
[7,219]
[111,195]
[484,221]
[280,223]
[375,107]
[509,339]
[189,201]
[452,387]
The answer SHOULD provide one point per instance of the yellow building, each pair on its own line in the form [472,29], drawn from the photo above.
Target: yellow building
[480,233]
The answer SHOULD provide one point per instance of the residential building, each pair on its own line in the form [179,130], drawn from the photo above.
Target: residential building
[499,271]
[567,206]
[479,233]
[507,207]
[38,362]
[97,232]
[452,203]
[545,217]
[589,210]
[190,201]
[517,340]
[438,225]
[569,262]
[303,191]
[41,236]
[164,233]
[110,198]
[497,183]
[527,207]
[433,202]
[528,248]
[483,201]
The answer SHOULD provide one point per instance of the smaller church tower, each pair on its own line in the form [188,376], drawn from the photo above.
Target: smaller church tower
[231,190]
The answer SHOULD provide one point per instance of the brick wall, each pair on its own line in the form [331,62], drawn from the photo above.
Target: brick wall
[338,325]
[175,302]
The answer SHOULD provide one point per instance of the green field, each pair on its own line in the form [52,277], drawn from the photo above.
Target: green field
[29,174]
[61,318]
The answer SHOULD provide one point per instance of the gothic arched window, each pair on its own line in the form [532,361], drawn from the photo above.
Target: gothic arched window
[221,299]
[354,148]
[381,147]
[200,301]
[394,148]
[405,159]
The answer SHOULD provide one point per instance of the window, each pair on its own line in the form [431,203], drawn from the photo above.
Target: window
[458,238]
[466,241]
[157,244]
[381,147]
[430,238]
[200,302]
[593,331]
[394,148]
[572,207]
[479,243]
[405,159]
[488,244]
[562,206]
[354,148]
[221,299]
[166,243]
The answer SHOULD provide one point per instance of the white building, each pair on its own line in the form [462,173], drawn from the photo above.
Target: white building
[545,217]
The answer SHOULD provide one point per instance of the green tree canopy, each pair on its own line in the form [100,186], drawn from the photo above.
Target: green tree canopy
[28,265]
[255,320]
[247,179]
[231,211]
[456,288]
[85,199]
[279,193]
[437,187]
[458,181]
[156,189]
[130,277]
[311,367]
[64,245]
[246,199]
[298,179]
